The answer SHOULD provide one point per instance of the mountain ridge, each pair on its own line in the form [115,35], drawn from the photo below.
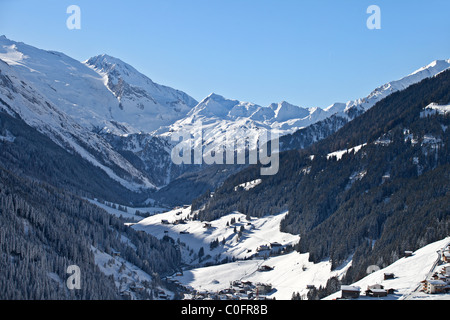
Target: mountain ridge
[88,107]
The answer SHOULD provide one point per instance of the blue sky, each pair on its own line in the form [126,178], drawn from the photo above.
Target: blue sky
[309,53]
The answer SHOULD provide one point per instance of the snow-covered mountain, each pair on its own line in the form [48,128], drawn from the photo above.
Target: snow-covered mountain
[22,99]
[121,121]
[143,104]
[219,115]
[71,103]
[385,90]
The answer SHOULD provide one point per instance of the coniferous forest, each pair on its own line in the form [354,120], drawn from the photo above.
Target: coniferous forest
[43,230]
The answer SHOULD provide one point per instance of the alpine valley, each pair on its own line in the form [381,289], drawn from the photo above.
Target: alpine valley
[87,179]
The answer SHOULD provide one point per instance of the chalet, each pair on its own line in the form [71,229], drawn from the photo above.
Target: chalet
[446,256]
[263,247]
[435,286]
[350,292]
[275,245]
[376,293]
[237,283]
[408,253]
[207,225]
[446,271]
[391,291]
[115,253]
[375,286]
[388,276]
[165,221]
[247,284]
[310,287]
[265,268]
[263,288]
[137,288]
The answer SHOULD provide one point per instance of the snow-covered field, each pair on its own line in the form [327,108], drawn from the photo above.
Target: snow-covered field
[238,237]
[435,108]
[248,244]
[127,212]
[408,273]
[291,271]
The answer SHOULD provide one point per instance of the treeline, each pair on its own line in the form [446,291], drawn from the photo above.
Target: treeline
[392,195]
[43,230]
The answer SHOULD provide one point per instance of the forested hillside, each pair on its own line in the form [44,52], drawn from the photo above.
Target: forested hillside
[30,153]
[45,225]
[43,230]
[389,194]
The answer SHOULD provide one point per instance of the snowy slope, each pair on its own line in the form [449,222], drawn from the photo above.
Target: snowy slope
[103,109]
[256,232]
[291,272]
[103,92]
[220,115]
[385,90]
[130,280]
[408,272]
[143,104]
[74,88]
[23,99]
[70,102]
[435,108]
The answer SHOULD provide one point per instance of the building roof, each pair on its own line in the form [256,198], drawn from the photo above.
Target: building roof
[350,288]
[378,290]
[437,282]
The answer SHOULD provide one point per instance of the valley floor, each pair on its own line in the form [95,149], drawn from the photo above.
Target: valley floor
[237,257]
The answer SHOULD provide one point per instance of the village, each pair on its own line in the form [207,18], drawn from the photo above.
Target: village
[437,282]
[238,289]
[258,253]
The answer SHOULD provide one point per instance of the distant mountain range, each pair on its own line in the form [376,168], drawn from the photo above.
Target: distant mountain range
[120,121]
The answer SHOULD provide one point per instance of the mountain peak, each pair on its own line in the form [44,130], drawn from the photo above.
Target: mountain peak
[215,96]
[436,64]
[110,65]
[104,58]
